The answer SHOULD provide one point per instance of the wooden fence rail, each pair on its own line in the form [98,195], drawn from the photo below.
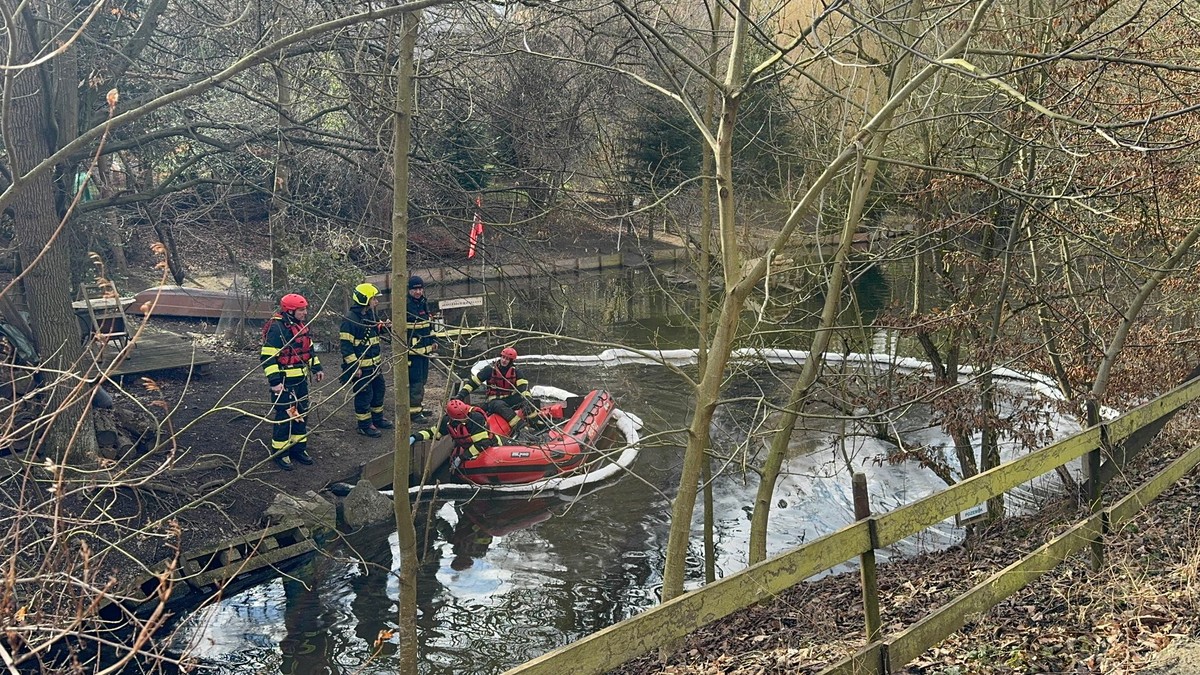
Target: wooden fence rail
[665,624]
[887,655]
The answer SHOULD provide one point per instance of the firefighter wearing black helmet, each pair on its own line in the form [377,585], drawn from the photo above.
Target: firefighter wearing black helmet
[506,389]
[362,359]
[287,359]
[421,344]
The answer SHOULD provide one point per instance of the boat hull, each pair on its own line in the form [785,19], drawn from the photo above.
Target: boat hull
[198,303]
[571,441]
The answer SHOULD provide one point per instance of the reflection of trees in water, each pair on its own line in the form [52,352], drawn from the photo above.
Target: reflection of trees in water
[467,626]
[644,307]
[371,604]
[311,593]
[852,402]
[625,306]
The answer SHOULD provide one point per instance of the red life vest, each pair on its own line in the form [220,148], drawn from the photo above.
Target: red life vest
[502,382]
[297,344]
[460,431]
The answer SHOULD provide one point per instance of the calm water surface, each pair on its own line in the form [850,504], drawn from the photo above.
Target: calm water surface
[503,581]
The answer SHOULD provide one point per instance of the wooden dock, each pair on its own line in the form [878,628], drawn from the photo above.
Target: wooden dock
[154,349]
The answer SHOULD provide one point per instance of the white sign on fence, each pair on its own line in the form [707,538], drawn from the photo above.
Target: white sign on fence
[455,303]
[968,516]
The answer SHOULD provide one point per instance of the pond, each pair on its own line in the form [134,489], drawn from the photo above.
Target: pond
[503,581]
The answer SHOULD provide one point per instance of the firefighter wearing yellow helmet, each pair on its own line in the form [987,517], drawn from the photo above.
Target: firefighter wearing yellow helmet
[362,359]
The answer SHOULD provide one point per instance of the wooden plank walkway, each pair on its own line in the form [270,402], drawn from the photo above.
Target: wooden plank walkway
[156,349]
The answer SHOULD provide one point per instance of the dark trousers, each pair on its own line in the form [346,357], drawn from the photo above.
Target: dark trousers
[516,401]
[418,373]
[288,432]
[497,406]
[369,391]
[507,408]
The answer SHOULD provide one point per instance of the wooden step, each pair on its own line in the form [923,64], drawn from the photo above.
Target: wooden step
[204,571]
[141,597]
[209,569]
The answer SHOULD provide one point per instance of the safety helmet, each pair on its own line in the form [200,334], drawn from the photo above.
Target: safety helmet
[508,353]
[415,282]
[364,292]
[292,302]
[457,410]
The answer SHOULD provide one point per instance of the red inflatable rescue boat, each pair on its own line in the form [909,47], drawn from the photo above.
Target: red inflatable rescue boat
[576,427]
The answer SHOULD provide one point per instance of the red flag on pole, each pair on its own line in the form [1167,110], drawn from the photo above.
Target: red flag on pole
[476,229]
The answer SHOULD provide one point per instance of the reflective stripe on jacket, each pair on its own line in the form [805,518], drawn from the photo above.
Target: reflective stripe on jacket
[471,436]
[420,326]
[287,352]
[501,382]
[359,337]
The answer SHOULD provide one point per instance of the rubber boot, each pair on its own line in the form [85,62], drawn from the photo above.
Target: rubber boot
[369,430]
[301,455]
[515,426]
[284,462]
[381,423]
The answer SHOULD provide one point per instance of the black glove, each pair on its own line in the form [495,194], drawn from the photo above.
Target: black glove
[464,396]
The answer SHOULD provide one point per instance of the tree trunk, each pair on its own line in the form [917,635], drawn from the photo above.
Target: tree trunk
[736,292]
[406,533]
[106,430]
[167,238]
[108,220]
[116,440]
[280,196]
[705,273]
[43,250]
[864,180]
[139,426]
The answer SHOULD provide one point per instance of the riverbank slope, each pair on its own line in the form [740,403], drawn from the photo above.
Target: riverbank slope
[1140,613]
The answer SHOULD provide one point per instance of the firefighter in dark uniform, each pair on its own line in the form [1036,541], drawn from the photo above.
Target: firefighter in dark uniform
[507,391]
[362,360]
[287,359]
[467,425]
[421,345]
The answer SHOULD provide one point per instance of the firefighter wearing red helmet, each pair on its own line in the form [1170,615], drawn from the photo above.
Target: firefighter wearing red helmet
[467,425]
[506,389]
[287,359]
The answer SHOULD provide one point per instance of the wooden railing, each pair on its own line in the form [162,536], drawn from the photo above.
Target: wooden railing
[669,622]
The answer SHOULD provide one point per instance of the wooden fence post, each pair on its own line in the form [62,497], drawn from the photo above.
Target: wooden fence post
[1091,467]
[870,586]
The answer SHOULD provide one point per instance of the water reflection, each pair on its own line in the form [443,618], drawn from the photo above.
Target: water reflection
[503,581]
[641,307]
